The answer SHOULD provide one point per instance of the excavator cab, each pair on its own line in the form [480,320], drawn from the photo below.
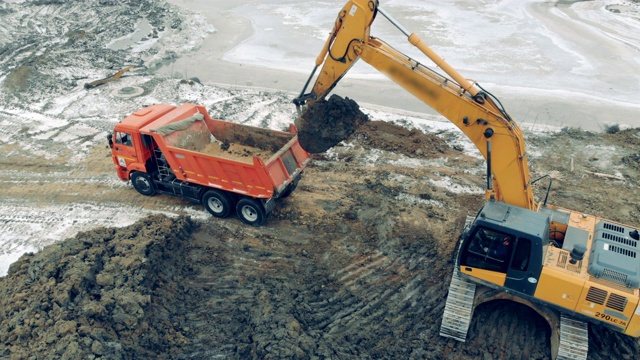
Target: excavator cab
[503,247]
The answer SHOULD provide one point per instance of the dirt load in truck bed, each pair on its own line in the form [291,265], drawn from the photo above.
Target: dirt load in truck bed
[230,141]
[326,123]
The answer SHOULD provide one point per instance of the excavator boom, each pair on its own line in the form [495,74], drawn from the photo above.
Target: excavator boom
[480,117]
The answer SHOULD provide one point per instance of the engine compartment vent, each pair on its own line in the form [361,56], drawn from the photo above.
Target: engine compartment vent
[619,239]
[614,276]
[614,254]
[626,252]
[617,302]
[596,295]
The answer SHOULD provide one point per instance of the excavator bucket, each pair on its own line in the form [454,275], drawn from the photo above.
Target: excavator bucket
[326,123]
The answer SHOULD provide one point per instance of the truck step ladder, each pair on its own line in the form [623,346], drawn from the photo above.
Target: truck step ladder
[574,339]
[458,308]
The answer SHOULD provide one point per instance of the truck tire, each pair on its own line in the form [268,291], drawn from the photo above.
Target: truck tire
[289,189]
[251,211]
[218,203]
[142,182]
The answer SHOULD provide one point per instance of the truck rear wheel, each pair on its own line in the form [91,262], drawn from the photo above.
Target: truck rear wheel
[142,182]
[251,211]
[218,203]
[289,189]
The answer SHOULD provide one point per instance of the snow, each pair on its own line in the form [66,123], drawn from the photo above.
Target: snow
[537,55]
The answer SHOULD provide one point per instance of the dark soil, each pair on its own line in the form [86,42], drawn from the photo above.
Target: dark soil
[400,140]
[326,123]
[111,293]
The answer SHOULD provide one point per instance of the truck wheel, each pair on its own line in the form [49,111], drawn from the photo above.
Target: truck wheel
[142,182]
[289,189]
[251,212]
[218,203]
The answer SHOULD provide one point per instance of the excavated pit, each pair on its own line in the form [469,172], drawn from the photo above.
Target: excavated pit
[326,123]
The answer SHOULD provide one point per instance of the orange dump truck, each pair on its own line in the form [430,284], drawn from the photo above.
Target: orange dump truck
[228,167]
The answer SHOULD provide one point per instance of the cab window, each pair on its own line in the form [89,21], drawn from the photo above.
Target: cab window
[123,139]
[489,249]
[521,255]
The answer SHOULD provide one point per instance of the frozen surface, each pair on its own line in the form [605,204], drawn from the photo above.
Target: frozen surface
[571,45]
[553,53]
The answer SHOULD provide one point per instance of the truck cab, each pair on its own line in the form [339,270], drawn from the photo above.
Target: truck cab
[129,151]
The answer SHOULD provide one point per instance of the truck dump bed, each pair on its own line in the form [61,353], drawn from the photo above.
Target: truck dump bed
[239,158]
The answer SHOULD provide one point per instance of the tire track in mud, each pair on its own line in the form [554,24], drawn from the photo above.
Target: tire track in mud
[323,310]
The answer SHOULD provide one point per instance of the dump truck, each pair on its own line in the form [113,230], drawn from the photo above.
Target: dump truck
[226,166]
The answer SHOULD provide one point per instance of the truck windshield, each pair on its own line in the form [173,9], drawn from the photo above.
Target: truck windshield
[123,139]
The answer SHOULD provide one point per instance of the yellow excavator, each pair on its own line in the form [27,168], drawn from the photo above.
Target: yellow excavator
[568,266]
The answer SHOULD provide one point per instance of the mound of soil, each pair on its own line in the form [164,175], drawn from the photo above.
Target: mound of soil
[326,123]
[108,293]
[410,142]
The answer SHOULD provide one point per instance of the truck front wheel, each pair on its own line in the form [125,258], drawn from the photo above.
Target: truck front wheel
[251,211]
[218,203]
[142,182]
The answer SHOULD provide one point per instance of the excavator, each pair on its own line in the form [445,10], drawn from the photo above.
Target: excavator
[570,267]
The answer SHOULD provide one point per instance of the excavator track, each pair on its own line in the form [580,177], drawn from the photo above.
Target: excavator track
[458,308]
[574,339]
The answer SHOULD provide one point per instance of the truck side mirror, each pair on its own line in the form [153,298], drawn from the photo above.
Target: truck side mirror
[110,139]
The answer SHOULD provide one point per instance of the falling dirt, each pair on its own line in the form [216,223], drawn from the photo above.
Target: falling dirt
[326,123]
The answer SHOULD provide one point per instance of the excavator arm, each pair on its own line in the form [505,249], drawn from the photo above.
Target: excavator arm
[479,115]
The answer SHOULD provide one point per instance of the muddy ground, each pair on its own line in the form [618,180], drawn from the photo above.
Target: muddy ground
[354,265]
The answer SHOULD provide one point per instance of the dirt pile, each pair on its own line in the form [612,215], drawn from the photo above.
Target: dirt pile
[108,293]
[400,140]
[325,123]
